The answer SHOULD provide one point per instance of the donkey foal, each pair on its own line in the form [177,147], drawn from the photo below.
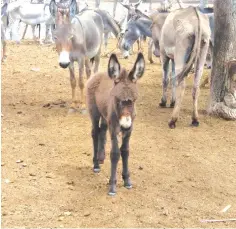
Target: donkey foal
[110,100]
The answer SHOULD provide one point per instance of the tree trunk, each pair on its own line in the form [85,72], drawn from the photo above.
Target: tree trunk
[223,85]
[203,4]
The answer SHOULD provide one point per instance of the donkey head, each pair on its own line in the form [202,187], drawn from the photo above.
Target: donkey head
[131,34]
[63,36]
[61,5]
[125,92]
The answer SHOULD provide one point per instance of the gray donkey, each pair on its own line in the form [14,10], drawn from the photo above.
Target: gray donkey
[79,40]
[111,101]
[184,39]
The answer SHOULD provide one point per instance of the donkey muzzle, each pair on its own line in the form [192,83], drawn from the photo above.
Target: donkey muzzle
[64,59]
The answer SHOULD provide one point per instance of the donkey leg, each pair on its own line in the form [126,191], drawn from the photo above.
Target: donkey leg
[102,141]
[96,62]
[182,52]
[197,79]
[94,113]
[81,86]
[105,42]
[88,68]
[114,156]
[180,88]
[150,47]
[23,36]
[125,155]
[173,89]
[73,86]
[165,79]
[33,32]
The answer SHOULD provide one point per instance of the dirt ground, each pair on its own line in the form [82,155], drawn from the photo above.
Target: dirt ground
[179,176]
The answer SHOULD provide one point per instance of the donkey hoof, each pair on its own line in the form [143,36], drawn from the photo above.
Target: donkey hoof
[128,185]
[172,124]
[195,123]
[172,104]
[162,104]
[96,170]
[110,193]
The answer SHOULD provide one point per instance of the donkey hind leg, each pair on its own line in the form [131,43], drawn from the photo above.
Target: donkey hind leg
[102,141]
[197,78]
[82,99]
[94,113]
[182,53]
[114,156]
[125,155]
[165,79]
[173,81]
[73,87]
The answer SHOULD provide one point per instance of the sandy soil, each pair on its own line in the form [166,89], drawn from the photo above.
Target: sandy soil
[179,176]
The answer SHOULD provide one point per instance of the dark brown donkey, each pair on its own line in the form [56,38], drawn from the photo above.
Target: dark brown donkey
[110,100]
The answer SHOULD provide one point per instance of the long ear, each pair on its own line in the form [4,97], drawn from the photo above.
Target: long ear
[138,69]
[113,67]
[137,4]
[125,5]
[53,8]
[73,8]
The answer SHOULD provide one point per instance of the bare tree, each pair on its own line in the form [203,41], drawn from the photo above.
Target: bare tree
[223,75]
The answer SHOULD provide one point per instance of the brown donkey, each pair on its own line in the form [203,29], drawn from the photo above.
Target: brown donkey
[110,100]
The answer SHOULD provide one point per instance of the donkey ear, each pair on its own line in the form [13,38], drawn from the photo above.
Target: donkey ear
[53,8]
[113,67]
[138,69]
[73,8]
[137,4]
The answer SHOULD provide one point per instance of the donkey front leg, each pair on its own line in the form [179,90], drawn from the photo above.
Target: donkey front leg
[73,86]
[115,156]
[125,156]
[82,99]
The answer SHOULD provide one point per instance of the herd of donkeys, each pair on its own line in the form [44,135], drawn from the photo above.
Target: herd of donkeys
[183,37]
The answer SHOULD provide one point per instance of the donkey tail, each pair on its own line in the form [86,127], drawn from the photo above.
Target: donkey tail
[195,49]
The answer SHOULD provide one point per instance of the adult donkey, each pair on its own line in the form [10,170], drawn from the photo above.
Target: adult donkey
[187,45]
[111,101]
[79,40]
[31,14]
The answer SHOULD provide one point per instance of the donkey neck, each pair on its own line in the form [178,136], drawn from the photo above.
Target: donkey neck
[144,26]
